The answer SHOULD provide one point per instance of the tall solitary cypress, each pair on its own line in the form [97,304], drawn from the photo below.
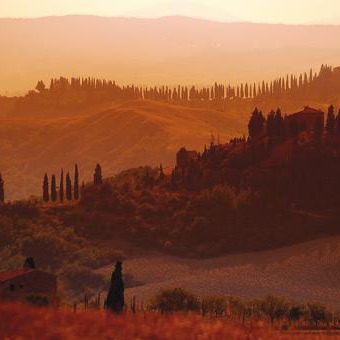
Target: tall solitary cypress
[61,186]
[115,297]
[46,195]
[68,187]
[2,190]
[53,189]
[76,183]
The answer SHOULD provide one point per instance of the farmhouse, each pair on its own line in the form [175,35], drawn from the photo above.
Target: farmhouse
[306,120]
[29,285]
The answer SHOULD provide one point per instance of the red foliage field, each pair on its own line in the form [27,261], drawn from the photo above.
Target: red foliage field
[22,322]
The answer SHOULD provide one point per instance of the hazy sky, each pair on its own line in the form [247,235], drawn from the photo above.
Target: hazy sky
[287,11]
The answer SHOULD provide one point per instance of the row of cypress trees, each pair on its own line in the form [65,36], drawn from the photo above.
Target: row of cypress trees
[50,191]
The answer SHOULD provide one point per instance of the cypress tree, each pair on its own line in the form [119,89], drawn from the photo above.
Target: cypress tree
[76,183]
[2,190]
[97,177]
[61,187]
[115,297]
[271,124]
[46,195]
[68,187]
[161,173]
[53,189]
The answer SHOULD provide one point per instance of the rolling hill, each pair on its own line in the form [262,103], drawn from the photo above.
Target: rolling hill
[119,136]
[304,272]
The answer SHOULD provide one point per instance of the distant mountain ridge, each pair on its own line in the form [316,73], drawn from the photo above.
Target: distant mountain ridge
[168,50]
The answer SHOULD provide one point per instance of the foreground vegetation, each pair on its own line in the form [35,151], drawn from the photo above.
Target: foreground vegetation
[17,321]
[270,309]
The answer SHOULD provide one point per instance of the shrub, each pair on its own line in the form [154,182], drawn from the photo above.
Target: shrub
[317,313]
[175,300]
[275,308]
[216,306]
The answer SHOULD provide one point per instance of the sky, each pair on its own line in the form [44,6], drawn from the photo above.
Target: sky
[269,11]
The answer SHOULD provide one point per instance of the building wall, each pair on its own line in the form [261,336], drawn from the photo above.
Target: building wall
[306,121]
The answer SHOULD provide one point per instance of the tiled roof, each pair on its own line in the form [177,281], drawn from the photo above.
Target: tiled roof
[6,276]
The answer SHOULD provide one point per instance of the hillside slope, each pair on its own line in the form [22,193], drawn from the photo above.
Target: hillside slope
[305,272]
[119,137]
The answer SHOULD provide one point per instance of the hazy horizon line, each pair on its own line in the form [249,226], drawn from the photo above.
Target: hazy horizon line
[170,16]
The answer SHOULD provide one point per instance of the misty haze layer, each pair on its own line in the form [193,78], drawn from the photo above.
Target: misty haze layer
[157,51]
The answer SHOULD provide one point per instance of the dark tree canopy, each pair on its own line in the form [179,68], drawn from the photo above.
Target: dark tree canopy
[115,297]
[29,263]
[256,124]
[318,129]
[46,195]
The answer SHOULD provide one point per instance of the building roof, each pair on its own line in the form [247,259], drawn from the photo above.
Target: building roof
[7,276]
[308,110]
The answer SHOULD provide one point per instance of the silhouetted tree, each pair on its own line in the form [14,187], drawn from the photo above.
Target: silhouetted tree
[68,187]
[97,177]
[76,183]
[61,186]
[318,129]
[40,86]
[271,124]
[2,190]
[330,123]
[46,195]
[256,124]
[115,297]
[279,124]
[53,189]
